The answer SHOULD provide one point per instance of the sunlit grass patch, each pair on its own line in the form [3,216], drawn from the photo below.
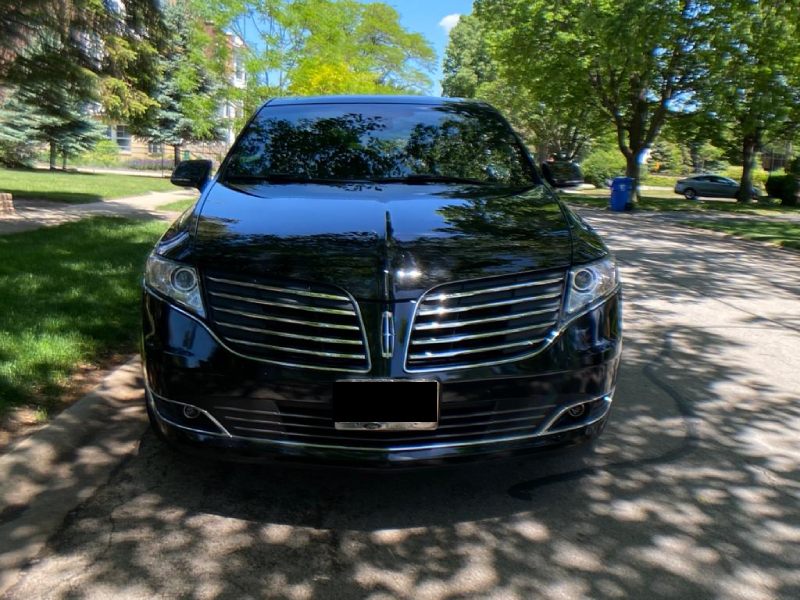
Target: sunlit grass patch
[783,234]
[69,296]
[75,188]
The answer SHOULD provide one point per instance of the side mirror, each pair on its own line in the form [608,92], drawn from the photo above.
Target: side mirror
[192,173]
[547,173]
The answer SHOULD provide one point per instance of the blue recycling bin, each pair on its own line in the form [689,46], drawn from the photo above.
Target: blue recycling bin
[621,193]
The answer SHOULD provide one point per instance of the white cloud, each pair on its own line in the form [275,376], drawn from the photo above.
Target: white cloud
[449,22]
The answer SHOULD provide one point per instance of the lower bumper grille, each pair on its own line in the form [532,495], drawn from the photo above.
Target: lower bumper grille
[458,423]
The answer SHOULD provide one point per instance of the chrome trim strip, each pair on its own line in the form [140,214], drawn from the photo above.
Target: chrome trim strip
[451,353]
[287,320]
[506,288]
[279,363]
[440,325]
[459,309]
[295,336]
[279,290]
[297,350]
[540,432]
[475,336]
[273,413]
[554,335]
[316,309]
[151,394]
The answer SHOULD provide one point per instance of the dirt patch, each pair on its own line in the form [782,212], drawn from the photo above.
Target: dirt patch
[24,420]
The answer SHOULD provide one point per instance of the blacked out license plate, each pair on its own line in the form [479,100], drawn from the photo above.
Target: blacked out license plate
[381,404]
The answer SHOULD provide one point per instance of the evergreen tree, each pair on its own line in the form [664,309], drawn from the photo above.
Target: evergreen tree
[189,92]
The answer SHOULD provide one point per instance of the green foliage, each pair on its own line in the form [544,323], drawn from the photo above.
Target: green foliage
[784,187]
[667,157]
[311,47]
[105,153]
[552,127]
[602,164]
[758,175]
[190,91]
[633,60]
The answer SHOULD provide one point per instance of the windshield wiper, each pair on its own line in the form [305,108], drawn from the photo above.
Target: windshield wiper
[285,178]
[423,178]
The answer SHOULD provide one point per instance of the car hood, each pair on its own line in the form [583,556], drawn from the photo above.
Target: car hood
[380,242]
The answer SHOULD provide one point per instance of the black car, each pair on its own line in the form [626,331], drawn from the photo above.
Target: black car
[378,282]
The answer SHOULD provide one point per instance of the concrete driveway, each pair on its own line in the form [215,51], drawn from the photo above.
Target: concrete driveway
[694,491]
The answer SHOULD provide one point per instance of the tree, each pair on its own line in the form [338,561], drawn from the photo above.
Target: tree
[755,88]
[119,44]
[553,127]
[190,90]
[308,47]
[633,60]
[57,92]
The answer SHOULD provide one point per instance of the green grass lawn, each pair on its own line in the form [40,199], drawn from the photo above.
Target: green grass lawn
[70,297]
[75,188]
[674,202]
[783,234]
[178,205]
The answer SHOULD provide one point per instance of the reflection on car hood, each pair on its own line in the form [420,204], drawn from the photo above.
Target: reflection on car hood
[380,242]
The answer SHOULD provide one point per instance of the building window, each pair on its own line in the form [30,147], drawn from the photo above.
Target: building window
[123,138]
[239,66]
[155,148]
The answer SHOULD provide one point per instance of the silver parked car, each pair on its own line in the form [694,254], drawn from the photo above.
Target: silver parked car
[713,186]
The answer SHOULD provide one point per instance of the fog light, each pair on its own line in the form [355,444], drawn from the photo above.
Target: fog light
[577,411]
[190,412]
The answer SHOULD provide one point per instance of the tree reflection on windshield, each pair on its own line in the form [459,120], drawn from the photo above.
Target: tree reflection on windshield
[446,141]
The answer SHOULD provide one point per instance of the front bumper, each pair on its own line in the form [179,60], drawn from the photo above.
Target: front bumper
[245,410]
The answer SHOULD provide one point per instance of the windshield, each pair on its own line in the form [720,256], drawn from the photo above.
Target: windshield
[389,142]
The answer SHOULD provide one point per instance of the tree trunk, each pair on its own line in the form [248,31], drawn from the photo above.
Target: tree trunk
[748,158]
[53,154]
[633,170]
[63,160]
[176,155]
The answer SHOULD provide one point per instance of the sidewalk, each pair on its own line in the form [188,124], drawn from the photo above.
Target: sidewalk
[24,215]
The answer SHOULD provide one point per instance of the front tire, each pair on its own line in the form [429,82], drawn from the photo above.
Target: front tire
[690,194]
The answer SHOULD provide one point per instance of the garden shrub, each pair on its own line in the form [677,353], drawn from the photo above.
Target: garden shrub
[601,165]
[784,187]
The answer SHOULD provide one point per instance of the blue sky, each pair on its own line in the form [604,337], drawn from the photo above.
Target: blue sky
[425,16]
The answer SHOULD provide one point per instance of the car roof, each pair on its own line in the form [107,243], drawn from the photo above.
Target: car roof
[371,99]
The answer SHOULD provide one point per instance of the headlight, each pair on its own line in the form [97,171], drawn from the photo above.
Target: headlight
[176,281]
[591,282]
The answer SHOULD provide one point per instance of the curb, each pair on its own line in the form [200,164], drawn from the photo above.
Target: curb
[52,471]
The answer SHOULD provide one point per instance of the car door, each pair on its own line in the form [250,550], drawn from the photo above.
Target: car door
[720,187]
[701,185]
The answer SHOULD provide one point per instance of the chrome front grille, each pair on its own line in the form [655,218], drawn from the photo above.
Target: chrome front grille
[485,322]
[287,323]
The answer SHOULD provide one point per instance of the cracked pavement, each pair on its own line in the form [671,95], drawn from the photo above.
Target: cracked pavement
[693,491]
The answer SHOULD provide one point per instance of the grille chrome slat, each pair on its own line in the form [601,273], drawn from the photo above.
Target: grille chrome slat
[316,309]
[477,336]
[470,322]
[288,320]
[287,323]
[459,309]
[295,336]
[437,436]
[507,288]
[451,353]
[510,318]
[297,350]
[280,290]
